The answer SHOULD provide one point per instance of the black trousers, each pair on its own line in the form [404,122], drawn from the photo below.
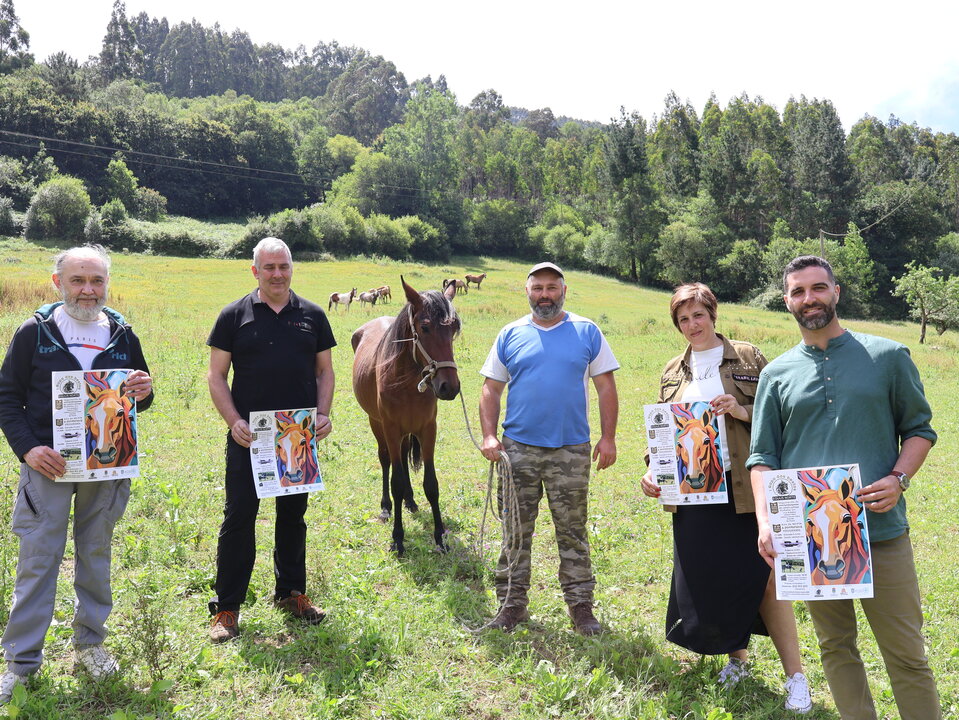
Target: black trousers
[236,546]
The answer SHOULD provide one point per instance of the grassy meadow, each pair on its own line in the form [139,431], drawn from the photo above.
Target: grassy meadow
[397,642]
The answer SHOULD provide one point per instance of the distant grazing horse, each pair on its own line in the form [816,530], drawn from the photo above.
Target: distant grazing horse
[384,292]
[341,299]
[368,297]
[401,366]
[834,528]
[109,423]
[295,459]
[701,468]
[456,284]
[475,279]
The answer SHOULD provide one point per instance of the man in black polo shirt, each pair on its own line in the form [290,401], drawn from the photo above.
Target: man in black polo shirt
[279,346]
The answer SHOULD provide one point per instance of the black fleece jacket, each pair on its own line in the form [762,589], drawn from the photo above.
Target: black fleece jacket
[36,351]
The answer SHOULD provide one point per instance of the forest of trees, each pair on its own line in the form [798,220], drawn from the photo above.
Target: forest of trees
[333,147]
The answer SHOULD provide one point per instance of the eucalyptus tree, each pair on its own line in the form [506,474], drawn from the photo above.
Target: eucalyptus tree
[14,40]
[633,203]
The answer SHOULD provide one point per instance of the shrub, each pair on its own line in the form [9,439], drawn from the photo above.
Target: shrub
[8,225]
[500,227]
[257,228]
[427,241]
[14,182]
[58,210]
[149,205]
[330,225]
[111,227]
[388,237]
[295,229]
[183,244]
[120,183]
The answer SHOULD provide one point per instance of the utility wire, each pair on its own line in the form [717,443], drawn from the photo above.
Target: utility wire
[908,197]
[174,159]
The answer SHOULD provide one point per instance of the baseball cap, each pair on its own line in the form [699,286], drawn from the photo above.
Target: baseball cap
[545,266]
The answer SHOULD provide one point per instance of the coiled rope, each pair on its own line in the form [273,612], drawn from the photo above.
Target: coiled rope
[506,511]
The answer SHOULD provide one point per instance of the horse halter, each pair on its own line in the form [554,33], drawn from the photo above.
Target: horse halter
[431,366]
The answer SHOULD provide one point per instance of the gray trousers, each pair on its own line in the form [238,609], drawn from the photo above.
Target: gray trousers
[41,514]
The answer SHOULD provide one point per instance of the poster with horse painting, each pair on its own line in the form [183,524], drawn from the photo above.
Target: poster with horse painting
[283,452]
[95,425]
[820,532]
[686,442]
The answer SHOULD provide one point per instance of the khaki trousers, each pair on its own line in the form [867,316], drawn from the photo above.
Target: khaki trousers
[895,617]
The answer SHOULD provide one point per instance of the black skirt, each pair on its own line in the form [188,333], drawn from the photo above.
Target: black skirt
[719,579]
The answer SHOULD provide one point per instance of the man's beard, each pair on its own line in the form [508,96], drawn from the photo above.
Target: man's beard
[816,322]
[83,313]
[547,312]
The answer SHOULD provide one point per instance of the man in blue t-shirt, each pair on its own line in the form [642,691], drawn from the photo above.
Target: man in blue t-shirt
[547,358]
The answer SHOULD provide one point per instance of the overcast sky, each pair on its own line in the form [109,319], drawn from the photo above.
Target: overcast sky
[586,59]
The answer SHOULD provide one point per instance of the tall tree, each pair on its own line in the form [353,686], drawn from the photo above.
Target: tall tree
[366,98]
[674,149]
[14,40]
[486,111]
[823,186]
[120,56]
[542,122]
[633,204]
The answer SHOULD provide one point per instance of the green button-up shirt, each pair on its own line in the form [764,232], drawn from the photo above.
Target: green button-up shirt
[854,402]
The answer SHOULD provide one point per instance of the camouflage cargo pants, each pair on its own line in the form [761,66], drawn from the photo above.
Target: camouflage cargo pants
[564,474]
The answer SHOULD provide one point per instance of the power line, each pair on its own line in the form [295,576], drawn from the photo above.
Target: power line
[183,168]
[908,197]
[300,181]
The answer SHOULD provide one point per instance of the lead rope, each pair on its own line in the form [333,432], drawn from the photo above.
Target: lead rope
[508,517]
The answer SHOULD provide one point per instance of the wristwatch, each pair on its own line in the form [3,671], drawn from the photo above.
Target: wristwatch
[903,479]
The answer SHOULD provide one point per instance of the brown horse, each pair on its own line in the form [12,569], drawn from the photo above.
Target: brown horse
[384,292]
[338,299]
[476,279]
[456,284]
[401,366]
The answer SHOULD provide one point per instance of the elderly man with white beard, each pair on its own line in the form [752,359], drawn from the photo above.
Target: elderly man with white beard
[77,333]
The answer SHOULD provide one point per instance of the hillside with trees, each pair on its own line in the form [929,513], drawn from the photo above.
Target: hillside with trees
[334,150]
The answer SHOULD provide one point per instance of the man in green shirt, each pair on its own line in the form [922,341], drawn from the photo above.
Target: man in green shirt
[844,397]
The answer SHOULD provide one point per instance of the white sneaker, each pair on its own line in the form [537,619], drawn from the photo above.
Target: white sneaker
[797,694]
[8,681]
[97,661]
[734,671]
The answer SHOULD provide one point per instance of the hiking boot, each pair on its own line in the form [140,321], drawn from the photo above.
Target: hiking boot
[583,619]
[8,681]
[224,626]
[299,606]
[734,671]
[797,694]
[508,618]
[96,661]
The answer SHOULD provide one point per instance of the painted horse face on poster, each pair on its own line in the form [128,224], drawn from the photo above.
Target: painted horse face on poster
[295,443]
[110,421]
[836,536]
[698,448]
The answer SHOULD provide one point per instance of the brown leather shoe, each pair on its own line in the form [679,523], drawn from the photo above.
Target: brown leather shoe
[508,618]
[224,626]
[583,619]
[300,606]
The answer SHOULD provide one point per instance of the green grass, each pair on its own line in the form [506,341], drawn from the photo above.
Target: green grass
[397,643]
